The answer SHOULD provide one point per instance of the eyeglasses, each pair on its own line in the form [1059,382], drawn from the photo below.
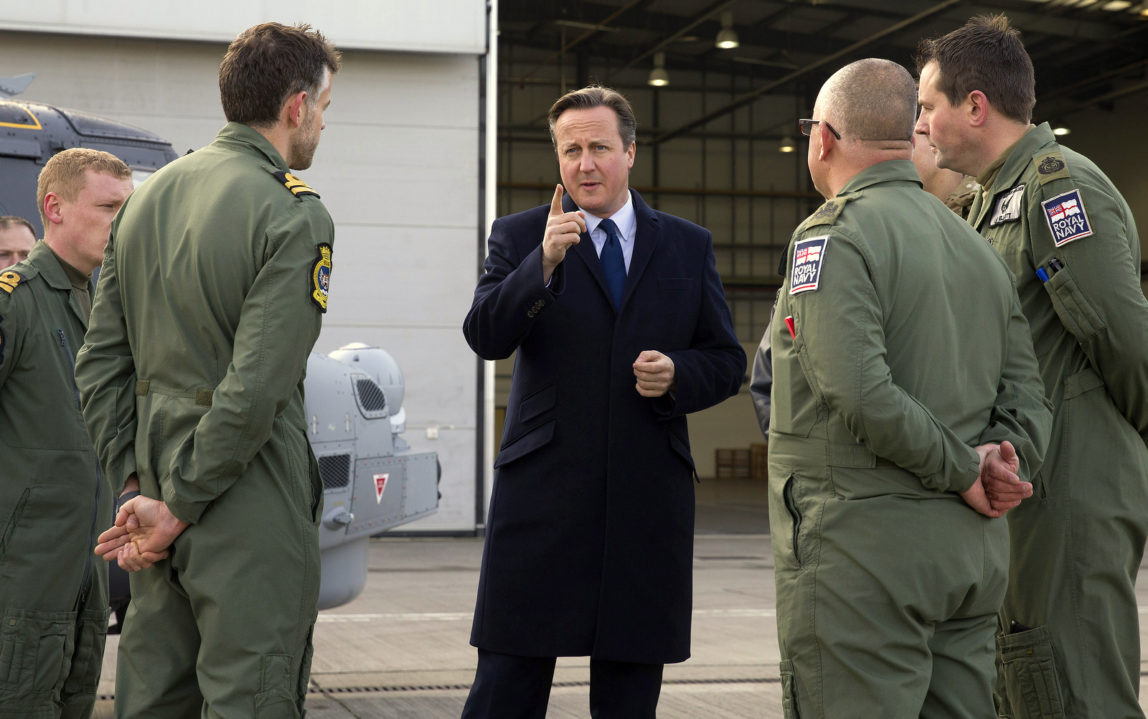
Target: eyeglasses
[806,127]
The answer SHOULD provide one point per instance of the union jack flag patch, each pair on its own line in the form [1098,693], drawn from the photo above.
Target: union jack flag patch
[1067,219]
[808,256]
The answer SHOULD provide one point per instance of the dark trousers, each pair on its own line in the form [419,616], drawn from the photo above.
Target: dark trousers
[512,687]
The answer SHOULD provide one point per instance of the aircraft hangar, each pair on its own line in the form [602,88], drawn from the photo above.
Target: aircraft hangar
[438,126]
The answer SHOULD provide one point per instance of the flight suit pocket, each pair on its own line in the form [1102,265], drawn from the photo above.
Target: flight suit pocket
[786,522]
[277,688]
[84,676]
[13,519]
[35,655]
[1030,675]
[1071,305]
[305,669]
[788,691]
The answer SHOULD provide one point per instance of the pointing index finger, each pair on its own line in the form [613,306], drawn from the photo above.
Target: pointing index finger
[556,203]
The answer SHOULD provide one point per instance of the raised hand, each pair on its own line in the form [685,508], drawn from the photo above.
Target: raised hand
[563,230]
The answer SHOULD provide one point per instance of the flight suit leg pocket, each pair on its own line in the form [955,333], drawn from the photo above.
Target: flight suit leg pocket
[305,667]
[786,522]
[84,674]
[788,691]
[1028,668]
[277,688]
[35,656]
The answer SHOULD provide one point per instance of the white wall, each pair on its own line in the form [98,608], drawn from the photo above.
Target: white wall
[450,26]
[398,168]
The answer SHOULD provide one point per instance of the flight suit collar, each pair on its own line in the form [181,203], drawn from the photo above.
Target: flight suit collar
[1006,171]
[238,133]
[887,171]
[51,268]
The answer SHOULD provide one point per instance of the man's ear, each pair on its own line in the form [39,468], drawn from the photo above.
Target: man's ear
[52,208]
[827,139]
[977,108]
[293,109]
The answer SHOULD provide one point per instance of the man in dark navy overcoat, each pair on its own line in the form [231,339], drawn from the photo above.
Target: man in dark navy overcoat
[621,327]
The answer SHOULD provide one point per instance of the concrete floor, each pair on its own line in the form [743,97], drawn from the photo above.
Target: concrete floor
[400,650]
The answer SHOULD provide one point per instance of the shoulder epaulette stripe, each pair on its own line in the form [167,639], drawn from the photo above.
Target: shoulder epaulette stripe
[9,280]
[294,184]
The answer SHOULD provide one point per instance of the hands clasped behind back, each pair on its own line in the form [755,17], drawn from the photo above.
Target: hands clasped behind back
[142,535]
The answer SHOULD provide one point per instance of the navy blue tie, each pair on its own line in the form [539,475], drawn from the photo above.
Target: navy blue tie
[613,264]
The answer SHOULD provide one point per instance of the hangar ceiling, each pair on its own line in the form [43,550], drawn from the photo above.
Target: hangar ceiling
[1086,52]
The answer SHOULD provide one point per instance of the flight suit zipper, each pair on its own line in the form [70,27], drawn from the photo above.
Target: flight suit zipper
[85,586]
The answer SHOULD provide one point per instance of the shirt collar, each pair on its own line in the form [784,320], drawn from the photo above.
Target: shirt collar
[624,218]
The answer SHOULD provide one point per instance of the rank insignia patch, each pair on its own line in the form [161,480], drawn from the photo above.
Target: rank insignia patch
[294,184]
[321,277]
[1006,208]
[808,258]
[1050,167]
[9,280]
[1067,219]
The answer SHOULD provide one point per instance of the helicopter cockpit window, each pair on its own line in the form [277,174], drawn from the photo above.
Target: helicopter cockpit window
[13,115]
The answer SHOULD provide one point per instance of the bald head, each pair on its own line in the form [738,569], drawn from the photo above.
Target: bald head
[870,99]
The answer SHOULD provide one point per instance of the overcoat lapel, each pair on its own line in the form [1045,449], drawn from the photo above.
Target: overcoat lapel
[586,252]
[645,241]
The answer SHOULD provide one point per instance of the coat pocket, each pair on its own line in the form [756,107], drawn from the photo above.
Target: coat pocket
[524,444]
[1028,668]
[537,403]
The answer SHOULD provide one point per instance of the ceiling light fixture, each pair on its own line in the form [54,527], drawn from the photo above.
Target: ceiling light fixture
[727,36]
[658,76]
[1060,130]
[787,145]
[1116,5]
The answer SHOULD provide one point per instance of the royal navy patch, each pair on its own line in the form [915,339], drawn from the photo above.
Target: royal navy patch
[1007,207]
[808,259]
[321,277]
[294,184]
[1050,167]
[1067,218]
[9,280]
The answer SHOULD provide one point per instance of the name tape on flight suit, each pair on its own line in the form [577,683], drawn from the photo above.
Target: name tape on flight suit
[808,259]
[294,184]
[321,277]
[1067,219]
[1007,206]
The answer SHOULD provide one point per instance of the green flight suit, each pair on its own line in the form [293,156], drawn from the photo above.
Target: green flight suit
[1074,650]
[210,300]
[898,347]
[53,502]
